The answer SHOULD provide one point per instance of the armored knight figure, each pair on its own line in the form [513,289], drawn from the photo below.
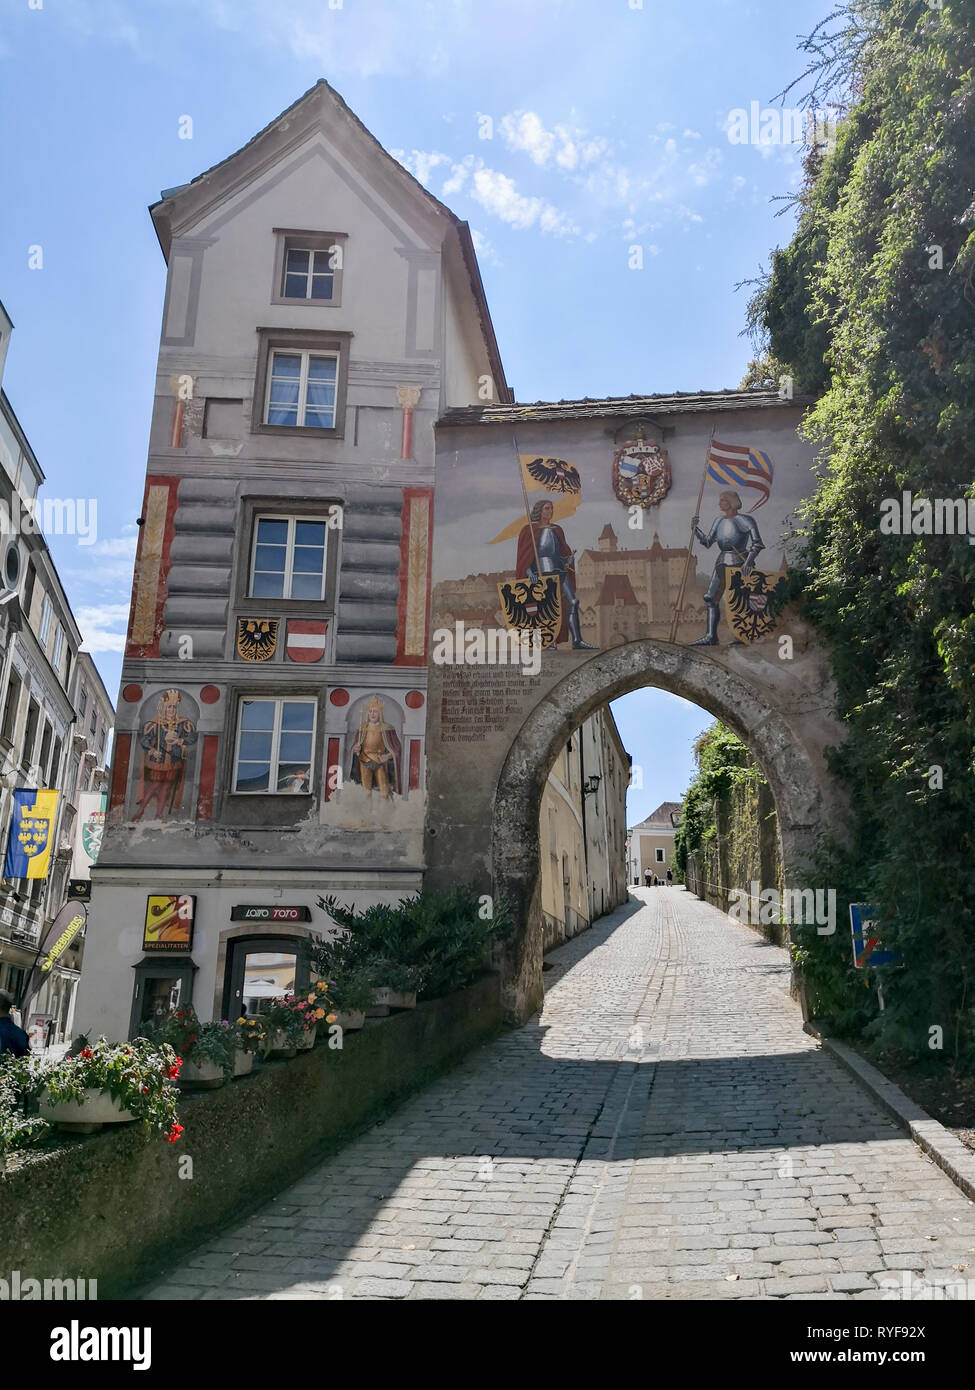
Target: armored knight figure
[554,557]
[739,544]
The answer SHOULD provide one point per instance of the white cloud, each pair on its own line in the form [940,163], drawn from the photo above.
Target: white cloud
[103,626]
[570,147]
[484,248]
[421,163]
[499,195]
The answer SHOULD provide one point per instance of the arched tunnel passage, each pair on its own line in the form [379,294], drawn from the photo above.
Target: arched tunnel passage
[789,758]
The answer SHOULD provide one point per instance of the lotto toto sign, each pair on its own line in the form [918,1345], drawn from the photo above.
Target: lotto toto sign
[270,914]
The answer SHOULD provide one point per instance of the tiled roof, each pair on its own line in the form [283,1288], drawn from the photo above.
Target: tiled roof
[616,586]
[595,407]
[659,817]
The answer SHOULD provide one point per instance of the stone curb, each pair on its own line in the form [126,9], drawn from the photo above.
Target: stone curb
[949,1153]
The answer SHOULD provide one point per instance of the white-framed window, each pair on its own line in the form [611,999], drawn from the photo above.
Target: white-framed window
[310,274]
[58,648]
[275,745]
[289,557]
[82,702]
[301,389]
[45,625]
[658,856]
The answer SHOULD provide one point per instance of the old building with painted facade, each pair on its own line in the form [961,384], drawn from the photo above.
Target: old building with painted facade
[322,311]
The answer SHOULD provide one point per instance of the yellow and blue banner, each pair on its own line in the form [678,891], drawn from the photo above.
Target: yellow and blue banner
[31,834]
[736,465]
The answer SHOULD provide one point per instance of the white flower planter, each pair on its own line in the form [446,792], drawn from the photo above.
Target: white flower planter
[243,1062]
[351,1021]
[278,1045]
[385,999]
[86,1116]
[202,1076]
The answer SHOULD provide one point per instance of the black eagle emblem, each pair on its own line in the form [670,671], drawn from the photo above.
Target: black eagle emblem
[533,607]
[753,602]
[556,475]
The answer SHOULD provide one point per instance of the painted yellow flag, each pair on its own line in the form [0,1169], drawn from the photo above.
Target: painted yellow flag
[557,478]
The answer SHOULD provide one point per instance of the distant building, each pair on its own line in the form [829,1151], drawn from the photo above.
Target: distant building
[55,723]
[650,845]
[582,834]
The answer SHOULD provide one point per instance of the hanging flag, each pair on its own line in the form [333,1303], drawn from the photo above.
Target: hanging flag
[736,465]
[88,832]
[31,834]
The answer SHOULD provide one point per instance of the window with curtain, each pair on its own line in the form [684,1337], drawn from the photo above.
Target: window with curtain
[301,389]
[275,746]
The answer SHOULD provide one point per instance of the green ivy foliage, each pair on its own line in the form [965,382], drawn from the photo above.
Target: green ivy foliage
[723,762]
[873,305]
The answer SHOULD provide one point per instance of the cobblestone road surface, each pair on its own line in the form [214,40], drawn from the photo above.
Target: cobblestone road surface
[663,1130]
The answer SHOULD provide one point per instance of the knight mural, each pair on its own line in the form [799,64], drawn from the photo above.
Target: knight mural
[543,550]
[376,752]
[739,545]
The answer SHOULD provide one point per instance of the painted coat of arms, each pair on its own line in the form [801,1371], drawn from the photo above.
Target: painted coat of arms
[533,606]
[641,473]
[257,638]
[752,602]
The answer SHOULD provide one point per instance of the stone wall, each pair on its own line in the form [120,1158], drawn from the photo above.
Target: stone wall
[113,1207]
[743,850]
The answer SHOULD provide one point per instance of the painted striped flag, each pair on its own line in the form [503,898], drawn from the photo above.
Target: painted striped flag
[737,465]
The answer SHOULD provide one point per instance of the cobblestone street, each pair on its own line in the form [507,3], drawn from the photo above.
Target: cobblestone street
[664,1130]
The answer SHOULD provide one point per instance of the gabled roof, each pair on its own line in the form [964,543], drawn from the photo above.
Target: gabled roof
[660,818]
[322,103]
[616,586]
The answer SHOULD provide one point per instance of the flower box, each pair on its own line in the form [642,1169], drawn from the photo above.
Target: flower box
[349,1022]
[201,1076]
[385,999]
[278,1044]
[306,1040]
[243,1062]
[86,1116]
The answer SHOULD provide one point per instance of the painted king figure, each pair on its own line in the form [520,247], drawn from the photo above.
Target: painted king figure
[165,741]
[554,556]
[739,544]
[376,752]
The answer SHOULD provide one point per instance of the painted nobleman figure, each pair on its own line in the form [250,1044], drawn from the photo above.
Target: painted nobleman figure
[542,545]
[376,752]
[165,741]
[739,544]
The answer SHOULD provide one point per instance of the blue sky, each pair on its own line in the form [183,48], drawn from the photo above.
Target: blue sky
[608,126]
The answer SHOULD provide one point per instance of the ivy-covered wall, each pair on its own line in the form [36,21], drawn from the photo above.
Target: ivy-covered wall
[871,306]
[728,836]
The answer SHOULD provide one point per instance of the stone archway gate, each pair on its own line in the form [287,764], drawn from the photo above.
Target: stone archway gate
[497,720]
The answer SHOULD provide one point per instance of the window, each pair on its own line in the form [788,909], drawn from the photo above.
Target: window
[301,382]
[275,743]
[301,390]
[310,274]
[101,742]
[308,267]
[44,756]
[94,721]
[82,702]
[58,648]
[658,856]
[29,586]
[30,732]
[45,626]
[289,558]
[11,708]
[56,763]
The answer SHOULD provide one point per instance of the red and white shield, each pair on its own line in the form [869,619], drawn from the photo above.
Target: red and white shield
[306,639]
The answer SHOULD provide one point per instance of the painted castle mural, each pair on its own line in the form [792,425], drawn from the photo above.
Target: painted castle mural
[685,543]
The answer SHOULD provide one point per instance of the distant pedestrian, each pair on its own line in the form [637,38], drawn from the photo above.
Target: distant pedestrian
[670,879]
[648,876]
[12,1038]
